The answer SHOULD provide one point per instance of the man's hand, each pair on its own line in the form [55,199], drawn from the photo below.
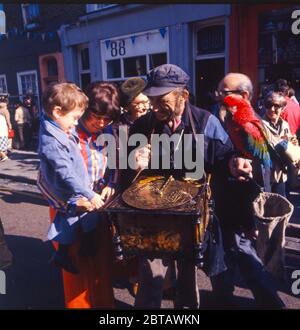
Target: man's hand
[142,157]
[107,193]
[84,205]
[240,168]
[97,201]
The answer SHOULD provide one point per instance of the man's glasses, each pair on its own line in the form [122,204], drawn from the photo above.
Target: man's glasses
[223,93]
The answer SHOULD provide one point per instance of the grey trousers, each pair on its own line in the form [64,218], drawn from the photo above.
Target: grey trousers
[152,273]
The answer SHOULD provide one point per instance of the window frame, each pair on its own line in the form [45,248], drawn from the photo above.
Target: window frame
[3,76]
[24,16]
[79,63]
[24,73]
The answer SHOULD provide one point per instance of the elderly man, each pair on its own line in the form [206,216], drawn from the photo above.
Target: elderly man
[172,113]
[237,223]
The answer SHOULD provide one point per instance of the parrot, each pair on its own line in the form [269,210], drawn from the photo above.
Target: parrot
[246,130]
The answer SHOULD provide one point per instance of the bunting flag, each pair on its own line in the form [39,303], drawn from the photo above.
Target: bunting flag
[107,43]
[162,31]
[133,39]
[51,35]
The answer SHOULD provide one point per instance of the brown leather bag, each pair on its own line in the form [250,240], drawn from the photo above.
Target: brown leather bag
[6,257]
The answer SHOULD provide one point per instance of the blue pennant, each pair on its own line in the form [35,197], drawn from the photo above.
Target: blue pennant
[51,35]
[133,39]
[162,31]
[107,43]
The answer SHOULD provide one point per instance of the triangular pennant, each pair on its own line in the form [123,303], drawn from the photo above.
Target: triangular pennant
[133,39]
[51,35]
[162,31]
[107,43]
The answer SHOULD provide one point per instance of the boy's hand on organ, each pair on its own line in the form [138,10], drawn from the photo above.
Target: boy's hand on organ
[97,201]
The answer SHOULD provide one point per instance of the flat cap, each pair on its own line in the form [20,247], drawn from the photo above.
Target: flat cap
[164,79]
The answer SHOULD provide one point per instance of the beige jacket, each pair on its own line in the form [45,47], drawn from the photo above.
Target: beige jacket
[22,115]
[274,137]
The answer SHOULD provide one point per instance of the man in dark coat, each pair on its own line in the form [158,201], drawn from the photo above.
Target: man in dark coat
[171,113]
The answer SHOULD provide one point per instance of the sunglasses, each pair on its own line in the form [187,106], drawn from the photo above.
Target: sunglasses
[270,104]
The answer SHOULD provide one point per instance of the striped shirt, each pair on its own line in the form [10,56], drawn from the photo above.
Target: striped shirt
[96,159]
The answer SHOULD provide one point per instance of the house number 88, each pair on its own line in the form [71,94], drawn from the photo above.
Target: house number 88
[117,48]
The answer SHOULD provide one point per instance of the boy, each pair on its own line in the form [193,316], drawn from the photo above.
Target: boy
[63,178]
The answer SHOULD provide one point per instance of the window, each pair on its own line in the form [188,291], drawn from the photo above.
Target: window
[278,49]
[211,40]
[113,69]
[157,60]
[134,55]
[28,84]
[84,66]
[31,16]
[98,6]
[135,66]
[3,84]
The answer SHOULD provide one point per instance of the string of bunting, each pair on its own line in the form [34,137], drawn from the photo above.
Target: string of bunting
[35,35]
[162,32]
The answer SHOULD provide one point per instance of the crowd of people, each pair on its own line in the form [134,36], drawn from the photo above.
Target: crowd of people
[75,178]
[78,183]
[19,123]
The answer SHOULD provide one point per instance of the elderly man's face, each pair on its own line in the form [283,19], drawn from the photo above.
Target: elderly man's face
[229,85]
[166,107]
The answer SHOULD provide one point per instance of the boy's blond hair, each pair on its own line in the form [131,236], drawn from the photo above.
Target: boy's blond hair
[65,95]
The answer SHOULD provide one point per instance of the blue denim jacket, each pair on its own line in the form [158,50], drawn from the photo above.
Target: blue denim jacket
[63,176]
[61,163]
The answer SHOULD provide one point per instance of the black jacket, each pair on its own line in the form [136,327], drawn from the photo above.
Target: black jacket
[217,151]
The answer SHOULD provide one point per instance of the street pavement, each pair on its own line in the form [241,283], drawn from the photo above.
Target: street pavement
[32,283]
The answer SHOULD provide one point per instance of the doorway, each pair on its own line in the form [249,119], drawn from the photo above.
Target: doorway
[209,72]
